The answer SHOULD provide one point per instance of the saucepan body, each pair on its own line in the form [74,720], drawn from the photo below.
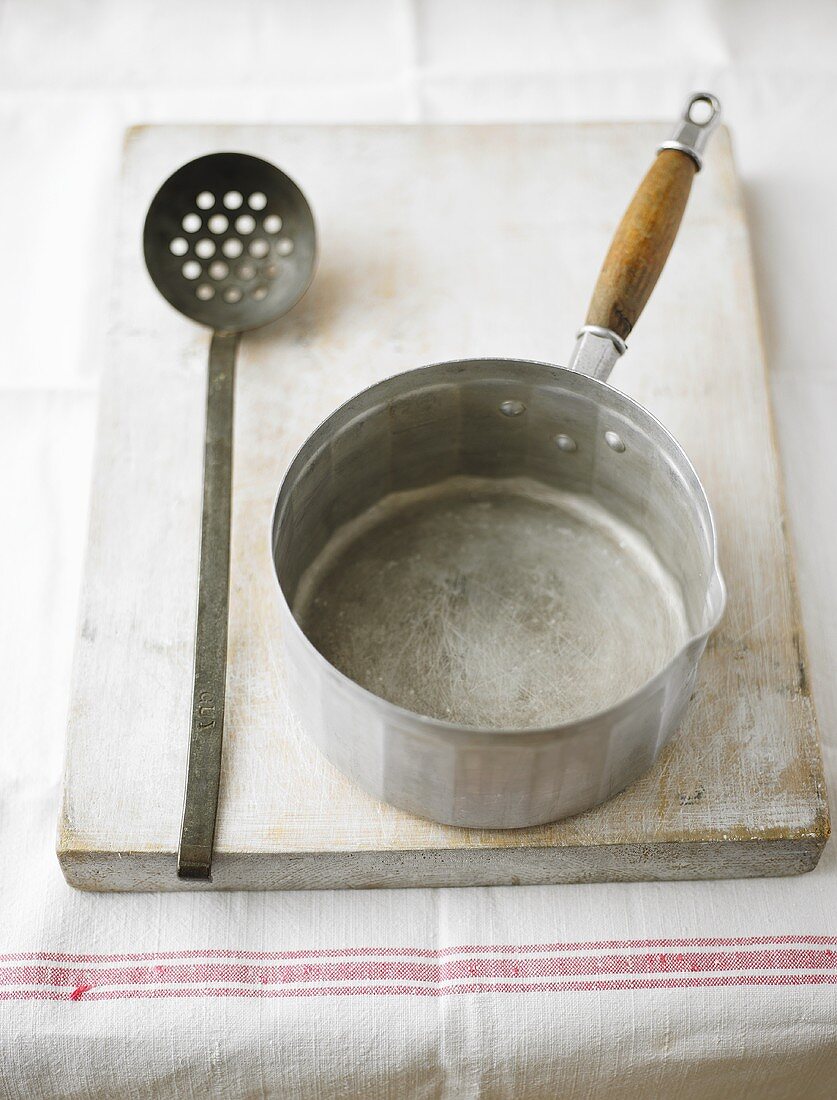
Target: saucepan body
[497,578]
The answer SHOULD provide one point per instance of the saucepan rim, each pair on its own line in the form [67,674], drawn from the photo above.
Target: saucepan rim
[715,589]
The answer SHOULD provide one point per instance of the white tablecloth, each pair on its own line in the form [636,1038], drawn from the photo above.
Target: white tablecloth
[685,989]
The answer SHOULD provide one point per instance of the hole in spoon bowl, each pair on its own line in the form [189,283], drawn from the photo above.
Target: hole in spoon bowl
[232,248]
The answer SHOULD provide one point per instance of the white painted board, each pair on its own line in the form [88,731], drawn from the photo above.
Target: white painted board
[436,243]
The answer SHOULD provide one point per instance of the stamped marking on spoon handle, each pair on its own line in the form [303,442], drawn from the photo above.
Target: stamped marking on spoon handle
[203,776]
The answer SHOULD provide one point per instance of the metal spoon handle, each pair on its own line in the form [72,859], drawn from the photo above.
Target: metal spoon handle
[203,776]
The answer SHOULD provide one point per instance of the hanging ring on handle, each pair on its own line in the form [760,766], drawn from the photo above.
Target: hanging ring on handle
[691,135]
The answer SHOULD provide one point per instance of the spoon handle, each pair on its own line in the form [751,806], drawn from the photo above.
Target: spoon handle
[203,776]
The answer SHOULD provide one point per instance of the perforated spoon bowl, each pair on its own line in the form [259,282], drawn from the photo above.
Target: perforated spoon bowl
[230,242]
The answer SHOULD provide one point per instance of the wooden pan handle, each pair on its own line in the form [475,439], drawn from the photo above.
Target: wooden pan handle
[642,243]
[644,239]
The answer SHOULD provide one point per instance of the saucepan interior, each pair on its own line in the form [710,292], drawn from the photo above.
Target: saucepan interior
[496,544]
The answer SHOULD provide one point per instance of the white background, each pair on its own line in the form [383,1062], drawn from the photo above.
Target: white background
[73,75]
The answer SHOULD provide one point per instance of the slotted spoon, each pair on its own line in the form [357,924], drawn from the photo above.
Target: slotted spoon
[230,242]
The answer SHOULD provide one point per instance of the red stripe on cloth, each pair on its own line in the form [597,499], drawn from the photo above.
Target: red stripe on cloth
[709,980]
[419,952]
[654,963]
[37,976]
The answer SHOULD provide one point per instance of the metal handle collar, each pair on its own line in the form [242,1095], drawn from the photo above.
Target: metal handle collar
[597,351]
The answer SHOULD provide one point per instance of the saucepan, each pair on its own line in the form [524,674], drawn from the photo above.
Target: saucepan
[497,576]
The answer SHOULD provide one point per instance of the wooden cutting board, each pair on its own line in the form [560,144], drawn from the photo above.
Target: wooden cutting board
[437,242]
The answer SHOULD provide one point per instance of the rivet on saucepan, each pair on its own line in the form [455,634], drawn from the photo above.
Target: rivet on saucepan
[614,441]
[566,443]
[512,408]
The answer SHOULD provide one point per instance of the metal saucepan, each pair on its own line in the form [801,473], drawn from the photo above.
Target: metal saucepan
[497,576]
